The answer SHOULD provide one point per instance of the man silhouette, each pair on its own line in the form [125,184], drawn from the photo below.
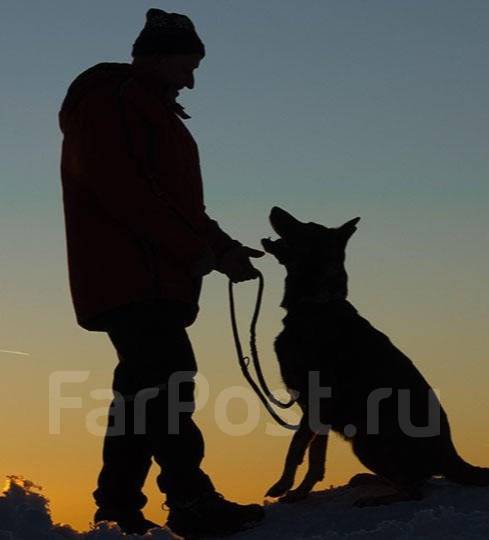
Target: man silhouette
[139,242]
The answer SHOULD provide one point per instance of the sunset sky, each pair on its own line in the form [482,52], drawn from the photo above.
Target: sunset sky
[330,109]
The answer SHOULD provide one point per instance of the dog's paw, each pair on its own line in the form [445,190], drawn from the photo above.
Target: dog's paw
[294,495]
[278,489]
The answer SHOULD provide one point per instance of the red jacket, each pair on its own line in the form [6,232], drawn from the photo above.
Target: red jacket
[136,225]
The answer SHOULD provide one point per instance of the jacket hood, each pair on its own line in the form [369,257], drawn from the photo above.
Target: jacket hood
[88,82]
[96,77]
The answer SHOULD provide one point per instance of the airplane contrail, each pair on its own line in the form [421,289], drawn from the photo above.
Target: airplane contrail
[20,353]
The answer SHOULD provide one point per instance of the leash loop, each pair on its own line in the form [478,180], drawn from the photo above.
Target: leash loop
[262,390]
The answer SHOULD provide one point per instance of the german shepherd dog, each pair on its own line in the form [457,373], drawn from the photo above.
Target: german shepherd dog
[350,378]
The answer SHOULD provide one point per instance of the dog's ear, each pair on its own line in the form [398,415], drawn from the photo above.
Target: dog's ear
[277,248]
[347,229]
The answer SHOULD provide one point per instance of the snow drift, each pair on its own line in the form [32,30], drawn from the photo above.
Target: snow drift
[447,512]
[25,515]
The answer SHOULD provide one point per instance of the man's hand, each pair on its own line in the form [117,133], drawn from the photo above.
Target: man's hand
[236,263]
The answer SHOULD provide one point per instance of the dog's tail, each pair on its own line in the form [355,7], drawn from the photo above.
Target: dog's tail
[458,470]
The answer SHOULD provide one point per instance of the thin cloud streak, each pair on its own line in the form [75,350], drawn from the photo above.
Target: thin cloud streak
[19,353]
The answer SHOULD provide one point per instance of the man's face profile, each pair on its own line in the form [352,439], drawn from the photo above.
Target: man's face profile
[177,70]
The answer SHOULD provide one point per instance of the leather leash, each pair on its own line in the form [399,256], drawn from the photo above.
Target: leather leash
[261,390]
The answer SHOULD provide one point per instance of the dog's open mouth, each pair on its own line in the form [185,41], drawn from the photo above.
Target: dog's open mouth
[284,225]
[268,244]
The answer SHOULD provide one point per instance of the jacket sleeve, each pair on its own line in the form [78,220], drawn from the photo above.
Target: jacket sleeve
[219,241]
[116,175]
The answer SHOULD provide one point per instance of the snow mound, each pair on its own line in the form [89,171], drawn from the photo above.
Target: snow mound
[25,515]
[447,512]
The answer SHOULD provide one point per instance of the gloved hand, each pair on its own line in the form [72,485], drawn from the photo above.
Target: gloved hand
[236,264]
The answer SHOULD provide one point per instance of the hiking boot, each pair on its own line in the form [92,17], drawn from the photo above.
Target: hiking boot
[212,514]
[129,522]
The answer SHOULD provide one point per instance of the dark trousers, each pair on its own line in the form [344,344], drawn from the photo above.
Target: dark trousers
[151,414]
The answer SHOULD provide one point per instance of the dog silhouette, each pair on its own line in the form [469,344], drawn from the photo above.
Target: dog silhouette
[376,398]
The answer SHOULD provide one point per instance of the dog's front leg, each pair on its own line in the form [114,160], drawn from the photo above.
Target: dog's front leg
[315,471]
[295,456]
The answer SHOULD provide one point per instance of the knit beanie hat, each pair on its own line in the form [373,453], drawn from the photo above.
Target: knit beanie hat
[167,33]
